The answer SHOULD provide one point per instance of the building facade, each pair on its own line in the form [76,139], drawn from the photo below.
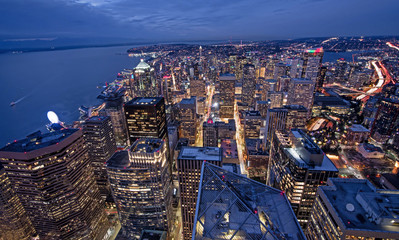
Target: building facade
[227,92]
[189,163]
[353,209]
[52,176]
[298,166]
[100,141]
[141,181]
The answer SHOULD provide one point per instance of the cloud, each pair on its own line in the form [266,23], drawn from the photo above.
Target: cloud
[195,19]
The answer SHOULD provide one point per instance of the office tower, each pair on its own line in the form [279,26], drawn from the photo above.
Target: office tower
[387,117]
[188,119]
[301,93]
[268,85]
[144,83]
[189,164]
[280,69]
[295,70]
[312,60]
[100,142]
[114,109]
[320,79]
[356,134]
[283,83]
[227,90]
[146,118]
[276,99]
[197,87]
[353,209]
[153,235]
[252,124]
[53,178]
[262,107]
[231,206]
[248,85]
[298,166]
[284,119]
[214,132]
[140,180]
[210,133]
[14,222]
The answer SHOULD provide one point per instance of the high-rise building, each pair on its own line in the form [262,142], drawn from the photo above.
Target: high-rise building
[353,209]
[276,99]
[231,206]
[387,117]
[301,93]
[267,86]
[312,60]
[100,142]
[252,124]
[188,119]
[296,65]
[214,132]
[114,109]
[52,176]
[189,163]
[248,85]
[298,166]
[14,222]
[280,69]
[283,83]
[144,83]
[197,87]
[284,119]
[262,107]
[320,79]
[146,118]
[227,91]
[140,180]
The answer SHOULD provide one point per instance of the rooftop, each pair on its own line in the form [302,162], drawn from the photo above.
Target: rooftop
[142,65]
[227,76]
[97,119]
[119,160]
[153,235]
[360,206]
[231,206]
[191,100]
[201,153]
[138,101]
[38,140]
[146,145]
[358,128]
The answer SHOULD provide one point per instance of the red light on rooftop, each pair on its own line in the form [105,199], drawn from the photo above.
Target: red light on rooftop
[282,193]
[15,140]
[25,152]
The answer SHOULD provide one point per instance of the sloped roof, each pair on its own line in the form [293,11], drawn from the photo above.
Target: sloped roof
[231,206]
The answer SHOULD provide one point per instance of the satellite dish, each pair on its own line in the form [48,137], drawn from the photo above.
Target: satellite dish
[52,117]
[350,207]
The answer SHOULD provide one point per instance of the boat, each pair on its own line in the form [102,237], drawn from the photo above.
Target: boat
[12,104]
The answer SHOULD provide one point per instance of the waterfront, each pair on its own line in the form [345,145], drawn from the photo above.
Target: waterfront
[60,81]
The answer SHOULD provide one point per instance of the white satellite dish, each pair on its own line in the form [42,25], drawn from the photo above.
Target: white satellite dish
[350,207]
[52,117]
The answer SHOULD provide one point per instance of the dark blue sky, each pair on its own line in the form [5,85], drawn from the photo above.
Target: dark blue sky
[160,20]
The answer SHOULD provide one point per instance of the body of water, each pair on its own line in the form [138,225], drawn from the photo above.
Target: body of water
[60,81]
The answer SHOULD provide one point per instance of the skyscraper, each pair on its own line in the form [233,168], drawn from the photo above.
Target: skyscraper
[140,180]
[248,85]
[144,83]
[188,119]
[231,206]
[301,93]
[353,209]
[284,119]
[312,60]
[227,91]
[146,118]
[114,109]
[53,178]
[14,222]
[197,87]
[298,166]
[189,164]
[100,142]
